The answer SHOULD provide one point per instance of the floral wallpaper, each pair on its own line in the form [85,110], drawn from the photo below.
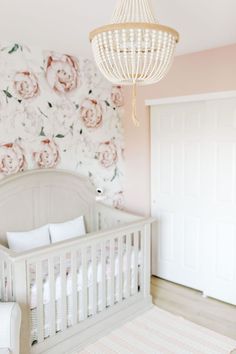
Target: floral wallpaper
[57,111]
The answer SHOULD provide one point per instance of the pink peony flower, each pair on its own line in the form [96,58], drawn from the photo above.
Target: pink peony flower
[107,154]
[117,97]
[12,159]
[91,113]
[62,72]
[26,85]
[48,154]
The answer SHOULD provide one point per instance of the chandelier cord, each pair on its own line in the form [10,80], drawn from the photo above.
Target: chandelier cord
[134,105]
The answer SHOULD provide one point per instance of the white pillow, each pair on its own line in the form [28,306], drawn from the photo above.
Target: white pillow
[67,230]
[23,241]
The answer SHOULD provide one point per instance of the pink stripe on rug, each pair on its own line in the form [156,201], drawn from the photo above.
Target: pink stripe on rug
[186,334]
[210,335]
[198,331]
[188,344]
[159,332]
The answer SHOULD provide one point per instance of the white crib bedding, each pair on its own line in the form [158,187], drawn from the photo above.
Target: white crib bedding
[46,284]
[46,289]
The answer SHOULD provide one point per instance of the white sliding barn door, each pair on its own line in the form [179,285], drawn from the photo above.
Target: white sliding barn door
[193,178]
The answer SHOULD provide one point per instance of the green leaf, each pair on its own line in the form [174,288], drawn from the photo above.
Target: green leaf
[60,136]
[7,93]
[42,132]
[14,48]
[42,112]
[115,175]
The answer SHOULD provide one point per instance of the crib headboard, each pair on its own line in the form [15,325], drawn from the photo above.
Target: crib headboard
[34,198]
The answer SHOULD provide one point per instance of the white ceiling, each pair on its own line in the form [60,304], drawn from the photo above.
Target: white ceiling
[64,25]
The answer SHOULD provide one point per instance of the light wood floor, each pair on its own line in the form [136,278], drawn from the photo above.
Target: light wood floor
[190,304]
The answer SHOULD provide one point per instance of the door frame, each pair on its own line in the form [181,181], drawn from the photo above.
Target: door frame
[191,98]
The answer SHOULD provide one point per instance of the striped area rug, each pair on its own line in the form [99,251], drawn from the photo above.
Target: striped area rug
[159,332]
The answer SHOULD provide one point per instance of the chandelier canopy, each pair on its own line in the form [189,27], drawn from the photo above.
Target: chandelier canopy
[134,48]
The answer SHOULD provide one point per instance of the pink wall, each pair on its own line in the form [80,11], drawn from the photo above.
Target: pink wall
[208,71]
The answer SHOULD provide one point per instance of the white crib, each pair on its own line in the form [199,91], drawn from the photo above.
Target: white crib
[74,291]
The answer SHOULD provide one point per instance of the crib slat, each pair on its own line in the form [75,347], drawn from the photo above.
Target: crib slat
[99,216]
[74,287]
[112,271]
[141,241]
[4,280]
[146,260]
[103,283]
[85,283]
[120,268]
[1,282]
[51,273]
[135,262]
[63,292]
[40,314]
[128,263]
[9,281]
[94,272]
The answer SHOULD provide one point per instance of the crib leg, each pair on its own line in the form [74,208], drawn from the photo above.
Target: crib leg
[21,291]
[147,260]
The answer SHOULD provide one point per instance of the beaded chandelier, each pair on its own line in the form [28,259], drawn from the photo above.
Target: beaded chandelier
[134,49]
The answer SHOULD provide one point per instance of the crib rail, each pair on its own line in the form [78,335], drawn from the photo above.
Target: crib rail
[62,286]
[107,218]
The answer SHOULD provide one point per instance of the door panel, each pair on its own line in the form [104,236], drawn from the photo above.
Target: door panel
[193,191]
